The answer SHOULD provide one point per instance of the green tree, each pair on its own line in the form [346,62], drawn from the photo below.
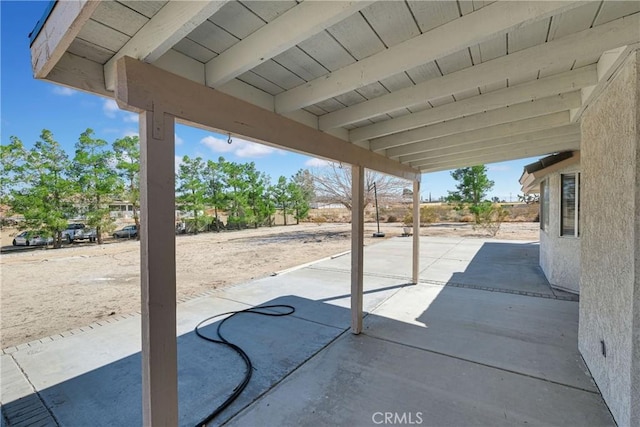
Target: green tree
[257,183]
[191,186]
[298,200]
[281,196]
[44,190]
[471,191]
[11,156]
[215,195]
[127,155]
[237,196]
[97,180]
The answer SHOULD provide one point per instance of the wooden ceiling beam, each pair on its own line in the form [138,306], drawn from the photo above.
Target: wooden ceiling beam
[579,46]
[560,83]
[142,86]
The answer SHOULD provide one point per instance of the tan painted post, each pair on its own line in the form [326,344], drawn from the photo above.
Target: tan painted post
[357,246]
[158,270]
[416,232]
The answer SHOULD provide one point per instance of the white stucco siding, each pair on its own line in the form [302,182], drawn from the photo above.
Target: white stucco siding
[559,255]
[610,288]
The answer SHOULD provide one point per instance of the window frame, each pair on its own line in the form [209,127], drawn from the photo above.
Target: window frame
[544,205]
[576,213]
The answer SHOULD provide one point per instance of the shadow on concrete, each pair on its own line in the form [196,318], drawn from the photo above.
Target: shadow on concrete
[454,356]
[500,266]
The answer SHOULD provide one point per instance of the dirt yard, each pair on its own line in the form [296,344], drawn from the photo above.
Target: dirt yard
[45,292]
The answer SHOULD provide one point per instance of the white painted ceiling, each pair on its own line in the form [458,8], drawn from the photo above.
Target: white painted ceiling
[432,84]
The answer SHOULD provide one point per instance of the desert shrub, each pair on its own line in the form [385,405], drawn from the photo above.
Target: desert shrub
[392,218]
[319,220]
[489,217]
[427,216]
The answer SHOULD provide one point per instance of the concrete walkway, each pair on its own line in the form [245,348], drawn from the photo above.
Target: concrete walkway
[482,340]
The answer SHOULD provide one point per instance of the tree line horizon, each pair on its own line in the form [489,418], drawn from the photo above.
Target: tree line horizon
[48,187]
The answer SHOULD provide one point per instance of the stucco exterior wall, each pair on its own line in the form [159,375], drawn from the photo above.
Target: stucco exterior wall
[610,275]
[559,255]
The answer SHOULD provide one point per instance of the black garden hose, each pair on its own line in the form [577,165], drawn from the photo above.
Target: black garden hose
[261,310]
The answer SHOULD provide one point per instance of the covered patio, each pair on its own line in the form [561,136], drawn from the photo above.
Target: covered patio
[487,343]
[404,88]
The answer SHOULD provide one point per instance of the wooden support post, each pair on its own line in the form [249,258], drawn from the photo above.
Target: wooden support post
[416,232]
[357,246]
[158,270]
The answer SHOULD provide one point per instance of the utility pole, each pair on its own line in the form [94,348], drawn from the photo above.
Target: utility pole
[375,195]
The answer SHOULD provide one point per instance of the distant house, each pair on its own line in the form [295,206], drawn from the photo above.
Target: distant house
[121,209]
[557,179]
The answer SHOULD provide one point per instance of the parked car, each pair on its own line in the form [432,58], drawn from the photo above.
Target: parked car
[31,238]
[128,231]
[77,232]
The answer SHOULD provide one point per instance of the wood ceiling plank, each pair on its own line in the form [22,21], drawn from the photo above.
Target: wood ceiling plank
[213,37]
[237,20]
[573,21]
[397,82]
[521,153]
[119,17]
[561,83]
[90,51]
[194,50]
[324,49]
[512,113]
[498,131]
[527,137]
[330,105]
[435,44]
[357,36]
[432,14]
[275,72]
[424,72]
[490,49]
[372,90]
[497,145]
[392,21]
[269,10]
[260,82]
[147,8]
[313,109]
[528,36]
[455,62]
[616,9]
[300,63]
[584,44]
[350,98]
[103,36]
[171,24]
[294,26]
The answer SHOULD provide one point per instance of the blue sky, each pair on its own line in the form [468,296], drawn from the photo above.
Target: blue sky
[29,105]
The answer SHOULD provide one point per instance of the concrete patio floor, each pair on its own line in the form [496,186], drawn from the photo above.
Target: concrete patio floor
[482,340]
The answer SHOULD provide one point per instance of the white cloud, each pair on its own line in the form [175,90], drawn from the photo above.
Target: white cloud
[316,163]
[63,91]
[217,145]
[252,150]
[498,168]
[178,162]
[131,118]
[110,108]
[130,132]
[179,141]
[239,147]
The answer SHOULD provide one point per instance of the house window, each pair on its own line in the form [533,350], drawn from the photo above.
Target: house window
[569,204]
[544,205]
